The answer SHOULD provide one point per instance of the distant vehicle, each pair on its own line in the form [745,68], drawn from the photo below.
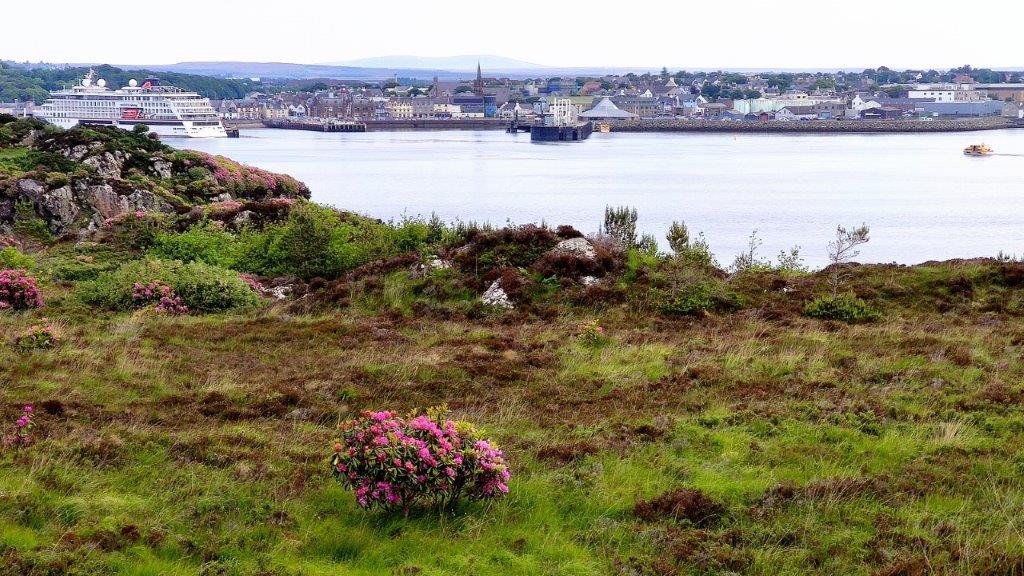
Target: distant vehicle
[977,150]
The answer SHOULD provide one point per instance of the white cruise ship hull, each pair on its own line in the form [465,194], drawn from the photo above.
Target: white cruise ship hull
[164,128]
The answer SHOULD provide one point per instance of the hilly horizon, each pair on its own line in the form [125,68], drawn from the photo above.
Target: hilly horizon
[461,62]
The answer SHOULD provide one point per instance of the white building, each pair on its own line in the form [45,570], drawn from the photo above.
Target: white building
[946,93]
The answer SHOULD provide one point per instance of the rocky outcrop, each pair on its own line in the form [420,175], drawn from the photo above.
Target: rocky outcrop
[86,177]
[497,297]
[161,168]
[105,202]
[108,164]
[578,247]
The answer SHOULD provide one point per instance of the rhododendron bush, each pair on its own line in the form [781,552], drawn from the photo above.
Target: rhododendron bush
[18,291]
[242,180]
[393,463]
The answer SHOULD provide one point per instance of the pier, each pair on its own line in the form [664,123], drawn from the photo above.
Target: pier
[314,125]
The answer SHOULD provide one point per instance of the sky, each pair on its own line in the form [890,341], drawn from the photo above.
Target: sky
[676,34]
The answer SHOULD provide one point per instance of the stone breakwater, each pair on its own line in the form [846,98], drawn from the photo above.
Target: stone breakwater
[822,126]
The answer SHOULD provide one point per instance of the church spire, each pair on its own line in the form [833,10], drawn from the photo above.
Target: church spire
[478,86]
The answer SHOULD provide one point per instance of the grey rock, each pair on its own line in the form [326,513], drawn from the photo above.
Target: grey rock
[105,202]
[579,247]
[279,292]
[242,218]
[222,197]
[589,280]
[107,164]
[60,208]
[31,189]
[497,297]
[162,168]
[147,201]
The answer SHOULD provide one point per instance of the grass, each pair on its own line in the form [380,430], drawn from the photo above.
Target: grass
[199,444]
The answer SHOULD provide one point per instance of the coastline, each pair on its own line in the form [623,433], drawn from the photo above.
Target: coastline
[675,125]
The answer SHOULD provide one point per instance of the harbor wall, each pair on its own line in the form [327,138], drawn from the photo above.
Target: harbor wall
[820,126]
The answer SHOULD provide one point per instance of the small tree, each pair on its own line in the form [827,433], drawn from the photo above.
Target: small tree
[620,224]
[749,260]
[678,237]
[791,262]
[842,251]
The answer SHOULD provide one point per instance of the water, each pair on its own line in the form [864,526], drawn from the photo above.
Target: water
[922,198]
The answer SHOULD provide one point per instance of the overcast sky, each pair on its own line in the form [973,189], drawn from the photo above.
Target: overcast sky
[677,34]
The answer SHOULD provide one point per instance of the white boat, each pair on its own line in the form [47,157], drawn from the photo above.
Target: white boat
[166,110]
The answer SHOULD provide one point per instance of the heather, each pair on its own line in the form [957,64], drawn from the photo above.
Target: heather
[252,387]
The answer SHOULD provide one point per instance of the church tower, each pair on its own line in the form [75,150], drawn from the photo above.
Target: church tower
[478,84]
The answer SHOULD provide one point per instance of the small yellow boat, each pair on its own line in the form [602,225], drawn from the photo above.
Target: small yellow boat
[977,150]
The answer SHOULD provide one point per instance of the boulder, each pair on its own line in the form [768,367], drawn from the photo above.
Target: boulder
[107,164]
[58,208]
[578,247]
[30,189]
[147,201]
[162,168]
[497,297]
[105,202]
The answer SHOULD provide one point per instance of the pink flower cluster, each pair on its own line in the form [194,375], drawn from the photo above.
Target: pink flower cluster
[592,334]
[253,283]
[22,429]
[19,291]
[393,463]
[161,294]
[39,336]
[242,178]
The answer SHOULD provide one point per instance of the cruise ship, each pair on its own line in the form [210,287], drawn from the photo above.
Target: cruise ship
[166,110]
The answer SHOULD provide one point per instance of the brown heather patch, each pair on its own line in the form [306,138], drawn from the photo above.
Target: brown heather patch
[681,504]
[562,454]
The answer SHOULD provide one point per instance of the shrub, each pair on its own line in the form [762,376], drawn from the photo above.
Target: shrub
[27,223]
[22,435]
[135,230]
[620,224]
[701,296]
[204,242]
[844,307]
[591,334]
[395,463]
[11,258]
[200,287]
[18,291]
[159,294]
[38,337]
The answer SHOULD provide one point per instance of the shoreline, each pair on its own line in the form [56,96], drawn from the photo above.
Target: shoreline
[700,126]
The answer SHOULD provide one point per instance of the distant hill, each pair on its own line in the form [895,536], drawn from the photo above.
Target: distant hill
[18,82]
[466,62]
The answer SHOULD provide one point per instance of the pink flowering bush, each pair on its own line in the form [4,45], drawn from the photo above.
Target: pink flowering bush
[160,294]
[393,463]
[38,337]
[245,181]
[22,435]
[592,334]
[19,291]
[253,283]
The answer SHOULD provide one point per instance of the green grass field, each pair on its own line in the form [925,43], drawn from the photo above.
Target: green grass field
[199,444]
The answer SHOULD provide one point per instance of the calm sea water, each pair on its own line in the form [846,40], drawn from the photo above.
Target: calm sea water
[922,198]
